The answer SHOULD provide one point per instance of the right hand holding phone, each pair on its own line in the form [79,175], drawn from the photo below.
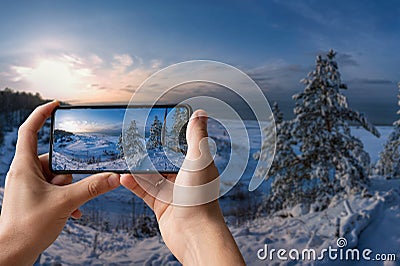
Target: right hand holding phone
[196,235]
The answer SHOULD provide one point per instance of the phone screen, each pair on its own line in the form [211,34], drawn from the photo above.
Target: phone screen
[100,138]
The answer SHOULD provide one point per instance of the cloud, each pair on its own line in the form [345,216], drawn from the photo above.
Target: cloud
[73,59]
[79,78]
[122,62]
[129,89]
[346,59]
[95,60]
[367,81]
[277,74]
[156,63]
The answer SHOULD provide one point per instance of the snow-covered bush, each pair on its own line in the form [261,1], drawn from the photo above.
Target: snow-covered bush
[388,164]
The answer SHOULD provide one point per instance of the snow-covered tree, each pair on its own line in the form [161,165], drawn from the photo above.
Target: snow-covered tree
[333,157]
[286,169]
[177,135]
[154,141]
[317,156]
[131,145]
[388,164]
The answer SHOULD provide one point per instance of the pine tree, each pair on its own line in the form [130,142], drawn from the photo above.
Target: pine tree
[177,136]
[388,164]
[154,141]
[131,145]
[334,159]
[286,168]
[316,154]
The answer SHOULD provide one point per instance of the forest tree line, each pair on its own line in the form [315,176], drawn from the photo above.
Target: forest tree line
[15,106]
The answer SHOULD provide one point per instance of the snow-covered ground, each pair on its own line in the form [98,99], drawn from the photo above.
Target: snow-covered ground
[370,222]
[367,223]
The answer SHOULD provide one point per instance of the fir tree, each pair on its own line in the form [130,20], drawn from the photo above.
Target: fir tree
[331,155]
[388,164]
[317,156]
[154,141]
[285,168]
[131,145]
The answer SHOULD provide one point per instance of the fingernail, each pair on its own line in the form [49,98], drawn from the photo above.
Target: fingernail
[202,115]
[113,180]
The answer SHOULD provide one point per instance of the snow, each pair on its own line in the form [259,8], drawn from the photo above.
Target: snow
[87,151]
[103,235]
[7,153]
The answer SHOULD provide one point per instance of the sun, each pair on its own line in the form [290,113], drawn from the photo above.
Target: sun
[55,77]
[69,126]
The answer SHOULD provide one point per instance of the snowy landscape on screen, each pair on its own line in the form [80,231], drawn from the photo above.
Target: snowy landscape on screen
[86,140]
[86,151]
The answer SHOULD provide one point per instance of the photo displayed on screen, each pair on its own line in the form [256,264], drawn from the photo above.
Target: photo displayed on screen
[92,139]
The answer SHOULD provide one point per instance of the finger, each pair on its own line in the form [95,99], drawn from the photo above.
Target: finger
[86,189]
[62,180]
[77,214]
[196,131]
[195,183]
[27,133]
[44,162]
[51,177]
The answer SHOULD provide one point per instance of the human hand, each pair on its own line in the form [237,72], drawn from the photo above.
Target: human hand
[196,235]
[37,203]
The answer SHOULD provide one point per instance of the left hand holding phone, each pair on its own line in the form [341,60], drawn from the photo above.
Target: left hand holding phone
[37,203]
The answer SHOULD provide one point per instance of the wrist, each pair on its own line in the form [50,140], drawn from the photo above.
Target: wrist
[211,243]
[199,239]
[15,248]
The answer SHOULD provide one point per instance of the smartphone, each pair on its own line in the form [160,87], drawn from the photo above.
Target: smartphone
[122,139]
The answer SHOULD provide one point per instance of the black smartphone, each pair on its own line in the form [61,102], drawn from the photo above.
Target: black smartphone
[93,139]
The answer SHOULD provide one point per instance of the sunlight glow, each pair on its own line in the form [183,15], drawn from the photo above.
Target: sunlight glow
[59,76]
[77,79]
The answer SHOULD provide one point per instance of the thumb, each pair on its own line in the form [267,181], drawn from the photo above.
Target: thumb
[198,156]
[196,134]
[91,187]
[196,182]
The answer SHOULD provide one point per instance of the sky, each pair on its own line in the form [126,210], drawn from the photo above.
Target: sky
[89,120]
[101,51]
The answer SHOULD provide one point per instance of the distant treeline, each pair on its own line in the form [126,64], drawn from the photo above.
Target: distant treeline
[15,106]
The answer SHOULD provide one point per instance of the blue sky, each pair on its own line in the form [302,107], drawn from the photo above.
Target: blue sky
[100,51]
[108,120]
